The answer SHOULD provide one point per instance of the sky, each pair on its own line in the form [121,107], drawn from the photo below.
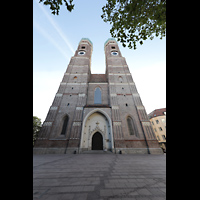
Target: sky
[56,38]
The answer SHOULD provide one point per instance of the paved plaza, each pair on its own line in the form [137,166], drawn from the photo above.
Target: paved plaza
[99,177]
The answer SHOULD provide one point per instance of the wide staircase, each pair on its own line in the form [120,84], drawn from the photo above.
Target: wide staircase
[96,152]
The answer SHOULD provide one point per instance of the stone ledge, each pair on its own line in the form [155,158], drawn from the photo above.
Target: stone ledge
[48,150]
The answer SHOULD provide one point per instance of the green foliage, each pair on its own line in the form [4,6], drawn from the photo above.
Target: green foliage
[135,20]
[55,5]
[37,124]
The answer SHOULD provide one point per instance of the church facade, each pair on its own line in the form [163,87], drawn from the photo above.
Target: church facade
[97,111]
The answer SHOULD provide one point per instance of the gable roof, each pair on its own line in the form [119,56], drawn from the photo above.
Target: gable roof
[157,112]
[98,78]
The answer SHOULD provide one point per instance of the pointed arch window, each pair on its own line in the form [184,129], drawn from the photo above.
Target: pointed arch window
[97,96]
[64,127]
[132,127]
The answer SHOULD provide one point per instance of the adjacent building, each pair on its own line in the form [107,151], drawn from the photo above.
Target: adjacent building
[158,122]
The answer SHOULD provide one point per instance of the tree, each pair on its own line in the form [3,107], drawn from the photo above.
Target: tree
[55,5]
[37,124]
[135,20]
[132,20]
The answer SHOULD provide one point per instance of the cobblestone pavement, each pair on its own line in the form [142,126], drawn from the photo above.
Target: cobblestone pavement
[99,177]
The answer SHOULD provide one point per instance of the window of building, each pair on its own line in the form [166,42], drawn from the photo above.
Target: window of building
[132,127]
[126,104]
[64,127]
[157,121]
[158,138]
[163,136]
[113,47]
[97,96]
[152,123]
[160,128]
[75,77]
[163,120]
[155,130]
[83,47]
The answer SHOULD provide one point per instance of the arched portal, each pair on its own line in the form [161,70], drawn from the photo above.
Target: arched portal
[97,126]
[97,141]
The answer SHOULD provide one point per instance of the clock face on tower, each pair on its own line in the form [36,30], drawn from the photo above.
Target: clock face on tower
[81,52]
[114,53]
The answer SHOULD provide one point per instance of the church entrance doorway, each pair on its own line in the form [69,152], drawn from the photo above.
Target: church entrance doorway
[97,141]
[96,131]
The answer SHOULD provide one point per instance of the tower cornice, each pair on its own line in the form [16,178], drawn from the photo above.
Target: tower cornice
[108,40]
[86,39]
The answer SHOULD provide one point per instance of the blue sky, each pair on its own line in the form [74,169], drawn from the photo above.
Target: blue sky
[55,39]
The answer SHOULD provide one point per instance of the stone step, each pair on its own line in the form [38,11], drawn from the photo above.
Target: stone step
[96,152]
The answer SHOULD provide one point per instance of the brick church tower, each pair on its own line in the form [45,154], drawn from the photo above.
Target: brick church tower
[97,111]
